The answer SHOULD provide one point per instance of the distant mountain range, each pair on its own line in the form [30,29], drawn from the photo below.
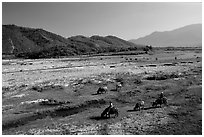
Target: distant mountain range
[188,36]
[38,43]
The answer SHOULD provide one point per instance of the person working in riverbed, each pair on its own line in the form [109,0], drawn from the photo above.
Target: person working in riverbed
[110,107]
[161,95]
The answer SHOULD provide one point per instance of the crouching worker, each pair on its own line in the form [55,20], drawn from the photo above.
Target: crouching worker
[161,95]
[109,110]
[110,107]
[139,105]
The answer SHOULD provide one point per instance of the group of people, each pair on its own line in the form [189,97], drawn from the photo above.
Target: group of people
[161,96]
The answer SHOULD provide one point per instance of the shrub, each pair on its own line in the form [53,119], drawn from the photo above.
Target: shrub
[162,76]
[137,80]
[120,80]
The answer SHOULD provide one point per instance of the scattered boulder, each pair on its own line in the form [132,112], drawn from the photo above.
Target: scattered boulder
[151,65]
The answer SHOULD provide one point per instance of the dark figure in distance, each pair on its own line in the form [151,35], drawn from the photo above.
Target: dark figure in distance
[161,95]
[161,100]
[109,110]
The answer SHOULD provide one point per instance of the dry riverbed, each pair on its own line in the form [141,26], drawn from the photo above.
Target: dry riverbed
[58,96]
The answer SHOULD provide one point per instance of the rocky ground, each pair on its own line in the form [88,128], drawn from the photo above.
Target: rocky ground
[58,96]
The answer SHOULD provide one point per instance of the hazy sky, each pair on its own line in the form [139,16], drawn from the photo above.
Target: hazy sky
[125,20]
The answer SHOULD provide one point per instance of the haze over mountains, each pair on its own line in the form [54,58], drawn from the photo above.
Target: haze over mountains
[38,43]
[187,36]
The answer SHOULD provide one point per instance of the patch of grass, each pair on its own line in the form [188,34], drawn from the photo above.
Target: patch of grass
[58,111]
[130,96]
[40,88]
[103,130]
[188,116]
[156,87]
[137,80]
[162,76]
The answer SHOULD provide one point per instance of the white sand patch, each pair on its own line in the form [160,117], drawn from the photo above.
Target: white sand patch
[34,101]
[18,96]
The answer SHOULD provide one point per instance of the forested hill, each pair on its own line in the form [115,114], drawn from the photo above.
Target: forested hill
[38,43]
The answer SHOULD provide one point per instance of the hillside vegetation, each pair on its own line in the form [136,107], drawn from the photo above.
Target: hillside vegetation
[38,43]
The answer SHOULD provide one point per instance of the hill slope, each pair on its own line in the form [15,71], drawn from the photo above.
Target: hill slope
[187,36]
[38,43]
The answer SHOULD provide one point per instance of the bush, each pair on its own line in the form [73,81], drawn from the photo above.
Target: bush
[137,81]
[162,76]
[37,88]
[119,80]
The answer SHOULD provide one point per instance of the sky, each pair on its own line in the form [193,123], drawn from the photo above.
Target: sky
[126,20]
